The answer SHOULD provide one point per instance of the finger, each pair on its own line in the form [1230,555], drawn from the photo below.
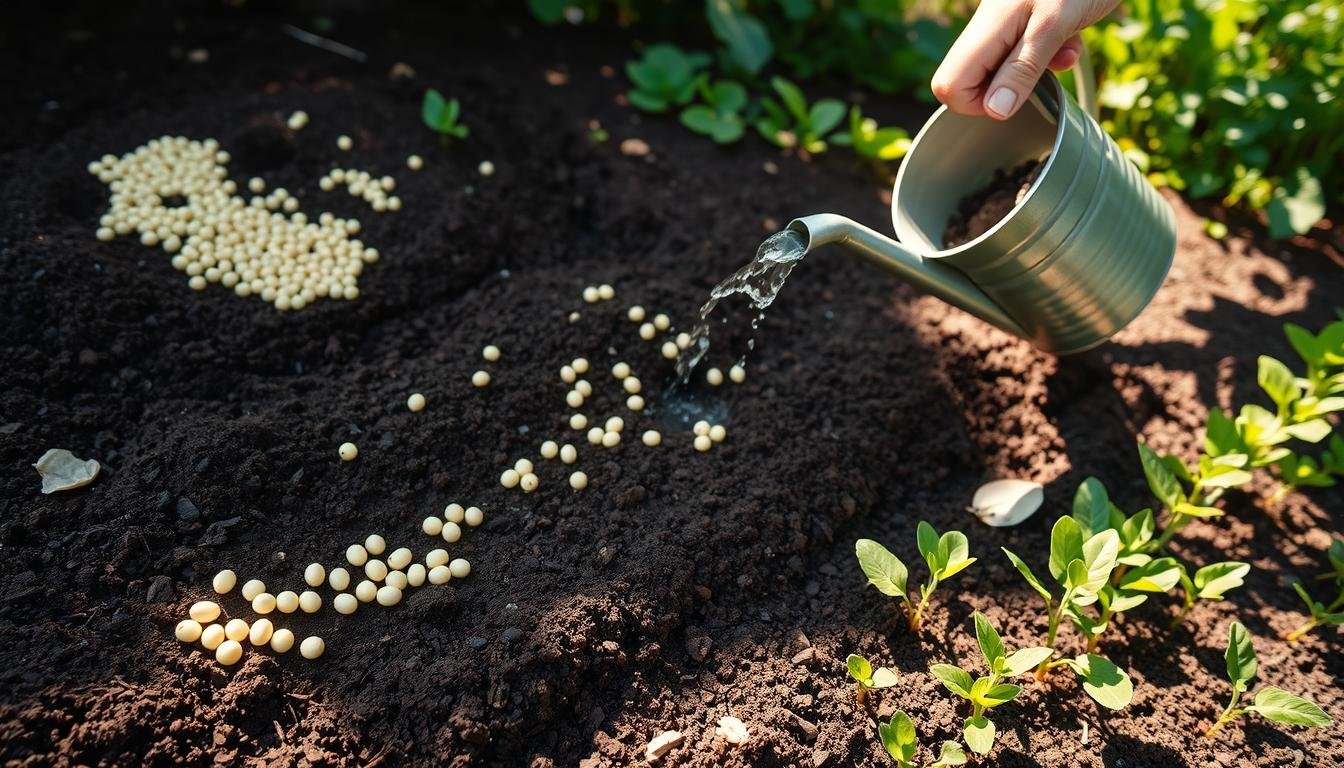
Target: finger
[1068,55]
[1024,66]
[976,55]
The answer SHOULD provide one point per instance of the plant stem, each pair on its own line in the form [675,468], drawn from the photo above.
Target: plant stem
[1044,666]
[1229,714]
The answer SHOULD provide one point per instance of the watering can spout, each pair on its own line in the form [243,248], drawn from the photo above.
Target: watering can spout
[929,276]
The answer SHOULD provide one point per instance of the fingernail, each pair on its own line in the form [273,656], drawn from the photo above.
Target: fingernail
[1002,101]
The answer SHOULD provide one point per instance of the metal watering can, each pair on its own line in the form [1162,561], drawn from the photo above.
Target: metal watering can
[1074,262]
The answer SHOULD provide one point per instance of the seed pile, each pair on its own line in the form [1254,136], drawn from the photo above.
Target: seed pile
[362,184]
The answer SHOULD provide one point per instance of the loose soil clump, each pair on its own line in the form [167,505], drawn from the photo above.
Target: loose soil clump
[979,211]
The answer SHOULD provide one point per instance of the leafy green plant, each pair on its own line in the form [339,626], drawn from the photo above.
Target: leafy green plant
[664,76]
[866,678]
[720,117]
[790,122]
[747,46]
[988,691]
[1211,582]
[1323,615]
[871,141]
[442,116]
[946,555]
[1273,704]
[899,738]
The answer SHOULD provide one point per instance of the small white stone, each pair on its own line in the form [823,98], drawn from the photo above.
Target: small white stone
[416,402]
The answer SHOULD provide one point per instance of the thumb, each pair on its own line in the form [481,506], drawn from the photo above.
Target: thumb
[1024,66]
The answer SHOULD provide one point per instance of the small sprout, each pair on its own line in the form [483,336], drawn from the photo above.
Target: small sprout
[1273,704]
[441,116]
[1006,502]
[946,556]
[348,451]
[793,123]
[480,379]
[1322,614]
[898,737]
[663,77]
[866,678]
[720,117]
[416,402]
[312,647]
[1210,583]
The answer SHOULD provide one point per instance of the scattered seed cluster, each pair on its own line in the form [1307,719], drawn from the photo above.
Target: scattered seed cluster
[362,184]
[384,581]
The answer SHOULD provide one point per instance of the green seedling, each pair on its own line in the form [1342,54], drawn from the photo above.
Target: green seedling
[871,141]
[1210,583]
[441,116]
[1273,704]
[1323,615]
[720,117]
[946,555]
[988,691]
[898,736]
[866,678]
[1082,566]
[790,122]
[664,76]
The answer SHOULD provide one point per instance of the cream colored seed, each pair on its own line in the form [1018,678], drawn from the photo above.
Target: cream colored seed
[416,402]
[261,632]
[647,331]
[432,526]
[297,121]
[652,438]
[567,374]
[549,449]
[236,629]
[399,559]
[282,640]
[439,574]
[683,340]
[459,568]
[253,588]
[375,570]
[312,647]
[314,574]
[339,579]
[595,435]
[263,603]
[480,379]
[662,322]
[105,234]
[583,388]
[229,652]
[737,374]
[486,168]
[700,428]
[631,385]
[620,370]
[356,555]
[636,314]
[310,601]
[615,424]
[718,433]
[388,596]
[436,557]
[714,376]
[510,478]
[188,630]
[590,295]
[396,579]
[375,544]
[345,603]
[611,439]
[634,403]
[204,611]
[287,601]
[366,591]
[212,636]
[523,466]
[474,516]
[348,451]
[344,144]
[415,575]
[224,581]
[256,184]
[529,482]
[702,443]
[578,481]
[669,350]
[453,513]
[580,365]
[490,353]
[606,292]
[415,162]
[568,454]
[574,398]
[578,421]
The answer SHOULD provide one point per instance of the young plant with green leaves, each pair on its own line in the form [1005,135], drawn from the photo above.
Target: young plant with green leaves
[1273,704]
[988,691]
[1082,566]
[720,116]
[790,122]
[871,141]
[1212,582]
[665,76]
[946,555]
[1323,615]
[899,738]
[866,678]
[442,116]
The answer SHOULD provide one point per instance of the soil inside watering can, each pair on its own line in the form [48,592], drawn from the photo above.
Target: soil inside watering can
[979,211]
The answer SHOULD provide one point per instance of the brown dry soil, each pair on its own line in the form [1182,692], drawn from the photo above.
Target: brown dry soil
[983,208]
[679,587]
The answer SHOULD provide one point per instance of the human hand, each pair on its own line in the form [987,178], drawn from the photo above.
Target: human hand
[1006,48]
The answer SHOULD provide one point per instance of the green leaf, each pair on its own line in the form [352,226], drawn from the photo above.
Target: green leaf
[859,669]
[797,10]
[1024,660]
[649,102]
[898,736]
[433,110]
[729,96]
[1190,510]
[1137,530]
[1303,342]
[1220,436]
[1066,545]
[793,98]
[1298,212]
[1106,683]
[1283,707]
[953,554]
[991,645]
[825,115]
[926,539]
[1099,554]
[1158,576]
[1240,656]
[1312,431]
[1212,581]
[746,38]
[884,570]
[955,679]
[548,11]
[1092,506]
[951,754]
[1023,569]
[1223,476]
[1163,483]
[1277,381]
[979,734]
[999,694]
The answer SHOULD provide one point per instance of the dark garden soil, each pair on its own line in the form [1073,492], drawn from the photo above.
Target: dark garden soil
[983,208]
[679,587]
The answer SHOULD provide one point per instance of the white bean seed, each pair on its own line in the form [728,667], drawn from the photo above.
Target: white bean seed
[348,452]
[237,630]
[310,601]
[439,574]
[204,611]
[432,526]
[568,454]
[416,402]
[490,354]
[261,632]
[339,579]
[287,601]
[436,557]
[549,449]
[282,640]
[263,603]
[474,516]
[312,647]
[452,532]
[702,443]
[253,588]
[212,637]
[509,478]
[453,513]
[224,581]
[229,652]
[188,630]
[366,591]
[459,568]
[375,544]
[345,603]
[315,574]
[415,575]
